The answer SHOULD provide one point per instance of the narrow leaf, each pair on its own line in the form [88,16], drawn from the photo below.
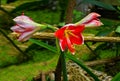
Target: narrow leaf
[42,44]
[117,77]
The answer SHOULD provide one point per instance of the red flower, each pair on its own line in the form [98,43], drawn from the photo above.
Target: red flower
[69,35]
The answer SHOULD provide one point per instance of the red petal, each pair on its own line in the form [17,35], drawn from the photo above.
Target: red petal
[63,44]
[78,39]
[60,33]
[78,29]
[70,46]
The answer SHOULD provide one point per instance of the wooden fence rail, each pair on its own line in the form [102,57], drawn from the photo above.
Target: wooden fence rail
[46,35]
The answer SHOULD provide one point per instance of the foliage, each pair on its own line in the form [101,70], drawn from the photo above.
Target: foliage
[34,5]
[117,77]
[99,3]
[39,54]
[117,29]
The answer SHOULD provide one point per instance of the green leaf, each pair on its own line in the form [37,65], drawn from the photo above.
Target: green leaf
[40,4]
[40,43]
[116,77]
[104,32]
[71,57]
[117,29]
[101,4]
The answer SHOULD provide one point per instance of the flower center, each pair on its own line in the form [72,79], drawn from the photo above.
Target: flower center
[68,33]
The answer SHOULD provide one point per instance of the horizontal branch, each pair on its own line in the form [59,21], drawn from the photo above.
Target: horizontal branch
[102,61]
[86,38]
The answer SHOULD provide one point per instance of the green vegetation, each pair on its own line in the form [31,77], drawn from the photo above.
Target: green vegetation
[14,68]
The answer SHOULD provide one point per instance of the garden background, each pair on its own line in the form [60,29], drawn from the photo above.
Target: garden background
[26,61]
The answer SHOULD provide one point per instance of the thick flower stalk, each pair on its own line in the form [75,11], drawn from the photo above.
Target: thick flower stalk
[69,35]
[91,20]
[25,27]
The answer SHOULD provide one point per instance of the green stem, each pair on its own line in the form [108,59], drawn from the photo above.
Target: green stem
[57,45]
[71,57]
[51,27]
[61,65]
[63,61]
[58,70]
[91,49]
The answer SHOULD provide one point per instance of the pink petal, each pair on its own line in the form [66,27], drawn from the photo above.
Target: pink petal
[94,23]
[88,18]
[24,21]
[25,36]
[22,18]
[17,29]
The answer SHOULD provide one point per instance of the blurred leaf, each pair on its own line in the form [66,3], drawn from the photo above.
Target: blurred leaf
[101,4]
[63,4]
[61,24]
[104,32]
[71,57]
[117,77]
[77,16]
[45,45]
[117,29]
[41,4]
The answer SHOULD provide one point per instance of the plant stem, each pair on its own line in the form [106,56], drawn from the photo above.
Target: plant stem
[61,65]
[64,66]
[58,70]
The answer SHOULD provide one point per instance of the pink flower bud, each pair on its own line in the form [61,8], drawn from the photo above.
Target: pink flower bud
[91,20]
[25,27]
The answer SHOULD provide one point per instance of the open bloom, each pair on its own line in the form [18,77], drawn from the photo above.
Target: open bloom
[25,27]
[69,35]
[91,20]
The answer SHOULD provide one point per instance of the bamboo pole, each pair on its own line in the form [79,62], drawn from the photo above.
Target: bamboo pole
[102,61]
[86,38]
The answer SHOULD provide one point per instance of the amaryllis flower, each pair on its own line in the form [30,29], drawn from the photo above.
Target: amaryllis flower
[25,27]
[91,20]
[69,35]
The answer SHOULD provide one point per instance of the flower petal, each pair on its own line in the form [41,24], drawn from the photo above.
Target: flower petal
[25,36]
[88,18]
[78,29]
[94,23]
[60,33]
[17,29]
[70,46]
[63,44]
[25,21]
[78,39]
